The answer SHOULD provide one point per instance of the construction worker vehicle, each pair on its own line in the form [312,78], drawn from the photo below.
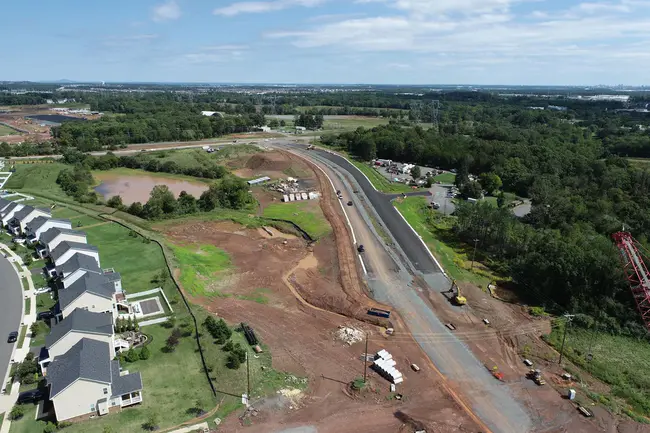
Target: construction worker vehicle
[457,297]
[536,376]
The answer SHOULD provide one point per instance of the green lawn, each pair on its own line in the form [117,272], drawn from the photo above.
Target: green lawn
[622,362]
[43,330]
[21,337]
[379,181]
[44,302]
[81,221]
[436,232]
[5,130]
[27,424]
[445,178]
[136,260]
[201,266]
[190,158]
[305,214]
[28,305]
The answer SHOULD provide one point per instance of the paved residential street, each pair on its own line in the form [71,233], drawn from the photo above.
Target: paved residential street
[10,311]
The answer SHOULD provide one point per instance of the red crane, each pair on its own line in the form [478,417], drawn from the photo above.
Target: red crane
[637,273]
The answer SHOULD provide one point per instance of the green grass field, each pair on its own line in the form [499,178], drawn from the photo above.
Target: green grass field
[188,158]
[43,330]
[305,214]
[5,130]
[44,302]
[37,178]
[201,266]
[136,260]
[341,123]
[454,257]
[379,181]
[445,178]
[621,362]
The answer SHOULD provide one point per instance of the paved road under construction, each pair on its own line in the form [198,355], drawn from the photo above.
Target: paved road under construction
[391,269]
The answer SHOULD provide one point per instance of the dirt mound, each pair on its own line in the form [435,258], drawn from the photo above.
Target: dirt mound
[268,162]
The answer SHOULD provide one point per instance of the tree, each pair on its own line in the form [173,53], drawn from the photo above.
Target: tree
[233,361]
[490,182]
[136,209]
[50,427]
[115,202]
[152,423]
[17,412]
[274,123]
[187,204]
[228,346]
[132,355]
[283,123]
[172,342]
[107,429]
[144,353]
[34,329]
[472,189]
[416,173]
[501,199]
[239,352]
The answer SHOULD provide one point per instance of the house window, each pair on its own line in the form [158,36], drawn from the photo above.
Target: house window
[105,391]
[92,407]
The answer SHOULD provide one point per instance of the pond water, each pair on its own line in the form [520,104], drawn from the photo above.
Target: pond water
[137,188]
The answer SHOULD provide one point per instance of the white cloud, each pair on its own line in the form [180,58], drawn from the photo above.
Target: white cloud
[215,54]
[263,6]
[168,11]
[489,32]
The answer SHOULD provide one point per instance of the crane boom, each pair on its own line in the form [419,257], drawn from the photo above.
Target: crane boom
[636,272]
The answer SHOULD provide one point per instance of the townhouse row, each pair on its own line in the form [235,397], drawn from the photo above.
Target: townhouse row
[78,359]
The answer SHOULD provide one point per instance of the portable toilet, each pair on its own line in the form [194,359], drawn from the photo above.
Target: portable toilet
[572,394]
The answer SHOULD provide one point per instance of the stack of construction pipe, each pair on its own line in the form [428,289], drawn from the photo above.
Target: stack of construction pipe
[384,364]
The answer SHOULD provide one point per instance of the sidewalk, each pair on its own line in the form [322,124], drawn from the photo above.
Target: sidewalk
[7,401]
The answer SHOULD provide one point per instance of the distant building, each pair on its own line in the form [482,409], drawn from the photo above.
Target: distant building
[300,129]
[263,129]
[212,113]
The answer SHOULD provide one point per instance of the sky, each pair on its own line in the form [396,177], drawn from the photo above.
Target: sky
[519,42]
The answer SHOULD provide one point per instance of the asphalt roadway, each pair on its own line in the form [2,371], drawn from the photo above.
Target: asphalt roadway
[11,305]
[390,278]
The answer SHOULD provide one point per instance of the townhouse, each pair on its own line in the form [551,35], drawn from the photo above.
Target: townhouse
[50,239]
[24,216]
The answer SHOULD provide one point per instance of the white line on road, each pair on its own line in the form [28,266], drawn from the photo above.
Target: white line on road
[363,265]
[423,243]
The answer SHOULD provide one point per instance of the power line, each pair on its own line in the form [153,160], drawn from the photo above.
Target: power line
[569,318]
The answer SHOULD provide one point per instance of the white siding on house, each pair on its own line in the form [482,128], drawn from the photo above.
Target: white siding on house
[80,398]
[49,225]
[35,214]
[72,251]
[73,337]
[90,302]
[10,215]
[64,237]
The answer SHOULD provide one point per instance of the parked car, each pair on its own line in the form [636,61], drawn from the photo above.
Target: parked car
[13,336]
[31,396]
[44,315]
[20,241]
[349,203]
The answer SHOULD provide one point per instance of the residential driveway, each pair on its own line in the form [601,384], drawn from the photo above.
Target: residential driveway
[11,305]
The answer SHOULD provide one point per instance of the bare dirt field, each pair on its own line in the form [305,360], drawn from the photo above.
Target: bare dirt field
[29,130]
[275,164]
[310,290]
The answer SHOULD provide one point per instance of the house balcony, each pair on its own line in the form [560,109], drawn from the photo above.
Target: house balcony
[131,399]
[14,230]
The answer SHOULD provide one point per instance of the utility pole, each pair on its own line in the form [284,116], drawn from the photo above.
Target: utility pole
[365,361]
[474,253]
[568,318]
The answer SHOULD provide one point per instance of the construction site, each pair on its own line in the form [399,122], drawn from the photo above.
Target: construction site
[314,303]
[24,128]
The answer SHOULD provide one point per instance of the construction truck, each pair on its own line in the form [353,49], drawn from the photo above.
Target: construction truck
[536,376]
[310,147]
[457,297]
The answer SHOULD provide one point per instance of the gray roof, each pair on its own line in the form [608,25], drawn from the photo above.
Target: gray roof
[38,222]
[23,212]
[4,203]
[79,261]
[124,384]
[81,321]
[10,208]
[113,276]
[90,283]
[52,233]
[64,246]
[88,359]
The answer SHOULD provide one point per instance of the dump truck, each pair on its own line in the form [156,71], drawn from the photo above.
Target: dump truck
[457,297]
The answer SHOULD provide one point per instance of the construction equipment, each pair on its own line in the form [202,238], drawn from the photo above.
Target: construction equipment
[457,298]
[310,147]
[636,272]
[536,376]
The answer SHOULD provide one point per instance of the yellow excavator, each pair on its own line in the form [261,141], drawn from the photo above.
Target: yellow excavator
[457,298]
